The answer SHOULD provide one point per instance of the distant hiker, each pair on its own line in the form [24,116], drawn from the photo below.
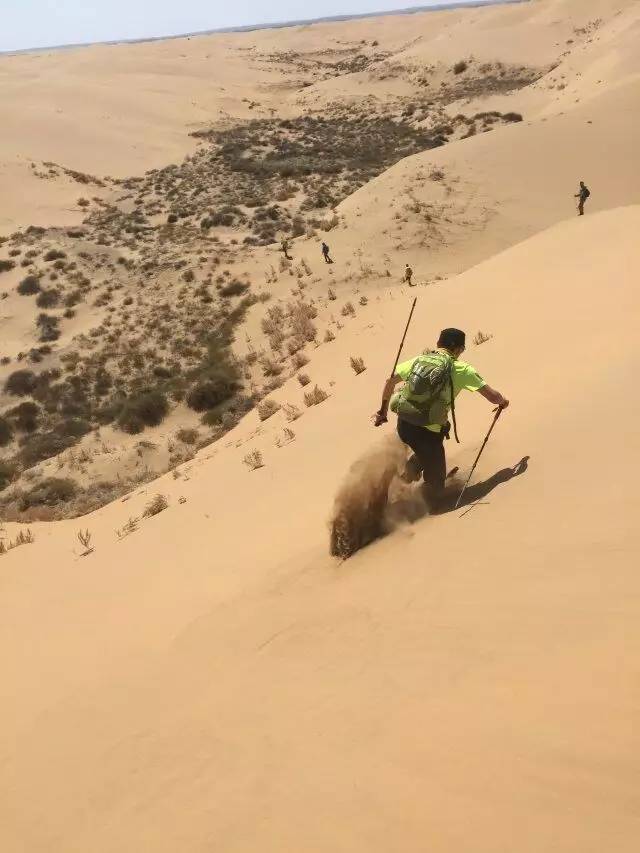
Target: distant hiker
[408,273]
[432,381]
[582,195]
[325,254]
[285,248]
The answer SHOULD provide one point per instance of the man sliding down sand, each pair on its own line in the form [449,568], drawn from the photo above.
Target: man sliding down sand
[432,381]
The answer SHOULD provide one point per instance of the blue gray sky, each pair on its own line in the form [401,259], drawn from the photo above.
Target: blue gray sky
[42,23]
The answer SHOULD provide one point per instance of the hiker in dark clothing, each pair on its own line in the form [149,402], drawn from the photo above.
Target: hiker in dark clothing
[408,274]
[582,195]
[325,254]
[423,418]
[284,245]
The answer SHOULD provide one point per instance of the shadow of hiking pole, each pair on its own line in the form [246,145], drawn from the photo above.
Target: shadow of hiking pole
[478,491]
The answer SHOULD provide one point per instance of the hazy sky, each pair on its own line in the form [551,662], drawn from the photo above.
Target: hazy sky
[40,23]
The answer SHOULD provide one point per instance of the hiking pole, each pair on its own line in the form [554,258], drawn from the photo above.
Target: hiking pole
[484,443]
[382,419]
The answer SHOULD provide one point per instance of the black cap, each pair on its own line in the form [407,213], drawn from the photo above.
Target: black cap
[451,338]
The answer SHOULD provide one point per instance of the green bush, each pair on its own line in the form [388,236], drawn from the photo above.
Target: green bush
[25,416]
[234,288]
[146,408]
[54,255]
[461,66]
[5,265]
[211,393]
[48,492]
[29,286]
[6,431]
[20,383]
[7,473]
[48,298]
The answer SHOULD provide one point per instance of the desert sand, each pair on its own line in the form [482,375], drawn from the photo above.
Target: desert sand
[209,677]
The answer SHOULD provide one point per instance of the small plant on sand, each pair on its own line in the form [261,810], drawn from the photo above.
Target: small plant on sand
[84,538]
[24,537]
[156,505]
[329,336]
[363,300]
[358,364]
[291,413]
[253,460]
[348,310]
[312,398]
[460,67]
[299,360]
[5,265]
[188,436]
[331,294]
[127,529]
[267,408]
[303,379]
[481,338]
[288,435]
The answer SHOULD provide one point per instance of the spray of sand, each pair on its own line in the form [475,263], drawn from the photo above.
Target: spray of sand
[372,500]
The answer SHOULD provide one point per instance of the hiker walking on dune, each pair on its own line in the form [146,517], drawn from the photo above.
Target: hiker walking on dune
[325,254]
[431,384]
[582,195]
[408,274]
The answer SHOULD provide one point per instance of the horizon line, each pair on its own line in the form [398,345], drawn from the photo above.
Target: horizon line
[444,5]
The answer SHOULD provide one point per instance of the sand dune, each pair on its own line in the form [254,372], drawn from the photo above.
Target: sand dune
[209,677]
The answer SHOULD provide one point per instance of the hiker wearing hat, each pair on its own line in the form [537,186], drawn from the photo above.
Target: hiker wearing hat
[431,383]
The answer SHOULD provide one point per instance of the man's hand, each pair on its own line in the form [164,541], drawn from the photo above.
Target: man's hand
[493,396]
[379,418]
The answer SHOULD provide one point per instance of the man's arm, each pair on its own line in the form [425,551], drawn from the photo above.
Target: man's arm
[493,396]
[380,416]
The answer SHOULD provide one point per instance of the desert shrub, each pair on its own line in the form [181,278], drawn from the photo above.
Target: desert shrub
[172,218]
[143,409]
[460,67]
[25,416]
[312,398]
[6,431]
[291,413]
[253,460]
[329,336]
[270,367]
[48,492]
[295,344]
[511,117]
[357,364]
[234,288]
[8,471]
[48,298]
[211,393]
[29,286]
[299,360]
[267,408]
[48,326]
[331,294]
[156,505]
[188,436]
[303,379]
[54,255]
[348,310]
[20,383]
[6,265]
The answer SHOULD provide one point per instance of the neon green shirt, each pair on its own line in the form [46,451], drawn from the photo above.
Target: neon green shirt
[465,378]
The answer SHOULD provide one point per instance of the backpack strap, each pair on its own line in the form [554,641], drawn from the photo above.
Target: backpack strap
[453,403]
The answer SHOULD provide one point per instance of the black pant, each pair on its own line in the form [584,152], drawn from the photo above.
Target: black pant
[429,448]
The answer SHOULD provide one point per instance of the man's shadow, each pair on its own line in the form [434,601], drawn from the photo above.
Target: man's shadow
[479,491]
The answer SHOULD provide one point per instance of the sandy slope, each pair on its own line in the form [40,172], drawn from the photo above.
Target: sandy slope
[215,680]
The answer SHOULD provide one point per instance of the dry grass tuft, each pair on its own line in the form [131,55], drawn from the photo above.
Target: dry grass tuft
[357,363]
[313,398]
[156,505]
[254,460]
